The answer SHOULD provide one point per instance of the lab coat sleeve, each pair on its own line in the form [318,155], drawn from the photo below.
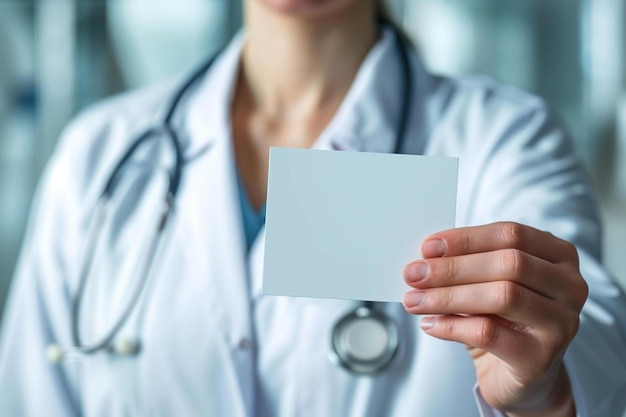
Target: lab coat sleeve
[37,312]
[485,409]
[530,174]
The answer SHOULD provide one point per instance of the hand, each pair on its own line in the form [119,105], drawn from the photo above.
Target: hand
[512,294]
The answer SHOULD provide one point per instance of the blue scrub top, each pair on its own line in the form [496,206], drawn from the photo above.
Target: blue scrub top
[252,220]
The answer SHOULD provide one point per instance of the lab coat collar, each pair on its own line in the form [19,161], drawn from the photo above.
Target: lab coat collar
[208,114]
[367,119]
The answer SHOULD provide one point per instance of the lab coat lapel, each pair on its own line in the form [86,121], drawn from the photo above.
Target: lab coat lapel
[368,117]
[203,293]
[201,297]
[211,173]
[215,206]
[227,278]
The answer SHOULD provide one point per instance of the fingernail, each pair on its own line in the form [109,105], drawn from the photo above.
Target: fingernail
[416,271]
[433,248]
[414,298]
[427,323]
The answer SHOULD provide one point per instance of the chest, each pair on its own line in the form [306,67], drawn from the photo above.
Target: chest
[211,344]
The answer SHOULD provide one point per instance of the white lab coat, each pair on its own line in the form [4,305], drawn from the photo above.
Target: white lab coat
[212,345]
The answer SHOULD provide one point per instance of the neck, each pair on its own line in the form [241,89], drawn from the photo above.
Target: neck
[293,66]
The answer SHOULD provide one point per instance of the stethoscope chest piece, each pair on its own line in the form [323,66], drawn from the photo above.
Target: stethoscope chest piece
[364,341]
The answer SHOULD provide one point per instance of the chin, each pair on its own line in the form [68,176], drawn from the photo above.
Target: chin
[308,8]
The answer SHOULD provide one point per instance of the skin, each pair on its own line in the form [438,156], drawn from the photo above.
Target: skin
[294,77]
[512,294]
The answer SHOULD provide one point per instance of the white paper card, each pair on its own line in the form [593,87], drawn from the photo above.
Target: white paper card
[344,224]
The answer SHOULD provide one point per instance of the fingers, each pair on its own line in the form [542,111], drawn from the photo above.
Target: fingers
[496,236]
[506,299]
[487,333]
[503,251]
[506,290]
[512,265]
[480,332]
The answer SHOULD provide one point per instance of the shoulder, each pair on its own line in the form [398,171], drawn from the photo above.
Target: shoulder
[516,159]
[481,99]
[95,139]
[489,93]
[75,174]
[470,114]
[130,111]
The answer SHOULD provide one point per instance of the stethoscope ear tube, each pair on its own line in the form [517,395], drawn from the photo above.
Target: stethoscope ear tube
[94,233]
[106,341]
[348,333]
[112,181]
[57,353]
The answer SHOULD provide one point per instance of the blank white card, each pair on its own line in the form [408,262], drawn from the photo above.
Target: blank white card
[344,224]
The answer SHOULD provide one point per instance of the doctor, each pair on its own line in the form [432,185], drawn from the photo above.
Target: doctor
[506,326]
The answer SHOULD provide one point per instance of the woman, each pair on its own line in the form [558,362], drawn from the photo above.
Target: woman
[324,74]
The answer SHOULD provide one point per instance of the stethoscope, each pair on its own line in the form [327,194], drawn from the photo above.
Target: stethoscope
[363,341]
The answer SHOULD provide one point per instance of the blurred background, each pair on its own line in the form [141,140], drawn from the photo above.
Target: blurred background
[58,56]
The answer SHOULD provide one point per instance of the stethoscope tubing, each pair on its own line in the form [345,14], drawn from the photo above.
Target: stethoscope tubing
[166,129]
[107,339]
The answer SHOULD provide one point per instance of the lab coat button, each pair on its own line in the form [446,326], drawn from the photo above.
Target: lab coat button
[244,344]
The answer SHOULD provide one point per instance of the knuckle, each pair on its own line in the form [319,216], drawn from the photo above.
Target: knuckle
[508,296]
[465,243]
[572,253]
[568,250]
[446,298]
[514,263]
[452,268]
[578,291]
[584,293]
[486,334]
[449,328]
[512,234]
